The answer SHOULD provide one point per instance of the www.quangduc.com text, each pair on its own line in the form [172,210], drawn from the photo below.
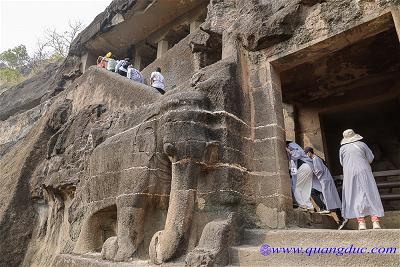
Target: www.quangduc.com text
[338,251]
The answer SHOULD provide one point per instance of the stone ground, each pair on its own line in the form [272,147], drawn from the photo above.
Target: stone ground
[249,253]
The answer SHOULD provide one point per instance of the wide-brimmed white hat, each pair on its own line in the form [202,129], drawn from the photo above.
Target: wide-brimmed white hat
[350,136]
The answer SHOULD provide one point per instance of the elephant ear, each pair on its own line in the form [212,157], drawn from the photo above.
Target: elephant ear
[211,152]
[146,141]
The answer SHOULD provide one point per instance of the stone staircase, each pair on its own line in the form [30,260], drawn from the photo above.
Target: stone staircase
[249,253]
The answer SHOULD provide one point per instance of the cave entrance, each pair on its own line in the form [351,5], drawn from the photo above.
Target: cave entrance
[349,81]
[378,123]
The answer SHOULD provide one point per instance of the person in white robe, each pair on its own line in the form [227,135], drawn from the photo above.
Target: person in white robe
[328,187]
[360,195]
[304,175]
[292,171]
[316,192]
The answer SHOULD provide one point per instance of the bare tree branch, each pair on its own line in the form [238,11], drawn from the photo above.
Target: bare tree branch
[60,42]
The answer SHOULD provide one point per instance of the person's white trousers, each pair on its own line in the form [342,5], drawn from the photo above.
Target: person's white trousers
[303,186]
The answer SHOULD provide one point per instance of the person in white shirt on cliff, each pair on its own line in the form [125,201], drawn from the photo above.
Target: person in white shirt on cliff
[157,81]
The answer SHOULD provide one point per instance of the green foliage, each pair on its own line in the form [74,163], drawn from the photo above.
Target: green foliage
[16,65]
[9,76]
[15,58]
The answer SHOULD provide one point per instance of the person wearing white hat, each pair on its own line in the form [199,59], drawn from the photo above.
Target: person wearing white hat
[360,195]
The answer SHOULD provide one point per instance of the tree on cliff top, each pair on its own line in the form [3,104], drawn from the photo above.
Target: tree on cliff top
[16,65]
[15,58]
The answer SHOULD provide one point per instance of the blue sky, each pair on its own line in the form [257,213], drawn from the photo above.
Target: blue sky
[24,21]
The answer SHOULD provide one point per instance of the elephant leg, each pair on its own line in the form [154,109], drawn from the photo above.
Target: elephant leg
[165,244]
[131,211]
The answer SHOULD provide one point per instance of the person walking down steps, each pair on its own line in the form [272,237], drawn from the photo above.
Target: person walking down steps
[360,195]
[329,192]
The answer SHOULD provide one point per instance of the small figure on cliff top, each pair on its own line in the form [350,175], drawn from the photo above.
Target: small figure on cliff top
[102,62]
[122,67]
[157,81]
[134,74]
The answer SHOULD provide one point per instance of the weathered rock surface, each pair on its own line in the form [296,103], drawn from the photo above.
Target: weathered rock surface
[98,170]
[26,95]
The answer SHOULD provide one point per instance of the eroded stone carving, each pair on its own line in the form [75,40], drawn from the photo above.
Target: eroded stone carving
[112,168]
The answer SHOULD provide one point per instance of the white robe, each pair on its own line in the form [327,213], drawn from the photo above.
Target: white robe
[329,191]
[360,195]
[302,194]
[304,185]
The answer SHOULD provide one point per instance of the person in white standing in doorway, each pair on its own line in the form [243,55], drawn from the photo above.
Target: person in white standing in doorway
[360,195]
[157,81]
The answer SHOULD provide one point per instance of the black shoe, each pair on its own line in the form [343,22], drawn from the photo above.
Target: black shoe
[342,224]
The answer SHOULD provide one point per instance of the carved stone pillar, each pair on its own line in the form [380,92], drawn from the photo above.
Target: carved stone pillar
[162,48]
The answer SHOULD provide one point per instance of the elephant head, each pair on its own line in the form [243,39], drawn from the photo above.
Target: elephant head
[187,141]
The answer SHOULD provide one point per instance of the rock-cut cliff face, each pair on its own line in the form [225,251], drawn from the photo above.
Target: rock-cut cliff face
[96,167]
[103,149]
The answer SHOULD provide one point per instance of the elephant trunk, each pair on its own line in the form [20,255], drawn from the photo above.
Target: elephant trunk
[165,244]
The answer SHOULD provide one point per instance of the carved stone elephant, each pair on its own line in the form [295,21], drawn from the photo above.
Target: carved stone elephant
[155,164]
[192,147]
[125,173]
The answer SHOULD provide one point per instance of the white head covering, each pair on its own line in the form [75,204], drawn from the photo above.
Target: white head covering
[350,136]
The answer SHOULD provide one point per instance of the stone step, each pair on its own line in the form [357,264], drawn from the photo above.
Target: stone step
[302,219]
[250,255]
[313,220]
[320,237]
[391,220]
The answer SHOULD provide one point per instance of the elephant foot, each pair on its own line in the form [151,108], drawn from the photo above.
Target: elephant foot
[110,248]
[126,250]
[212,249]
[201,257]
[163,246]
[113,252]
[154,249]
[124,254]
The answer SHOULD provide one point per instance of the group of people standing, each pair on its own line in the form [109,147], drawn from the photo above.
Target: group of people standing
[311,178]
[125,68]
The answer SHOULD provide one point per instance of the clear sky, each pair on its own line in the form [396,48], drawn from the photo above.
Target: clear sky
[24,21]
